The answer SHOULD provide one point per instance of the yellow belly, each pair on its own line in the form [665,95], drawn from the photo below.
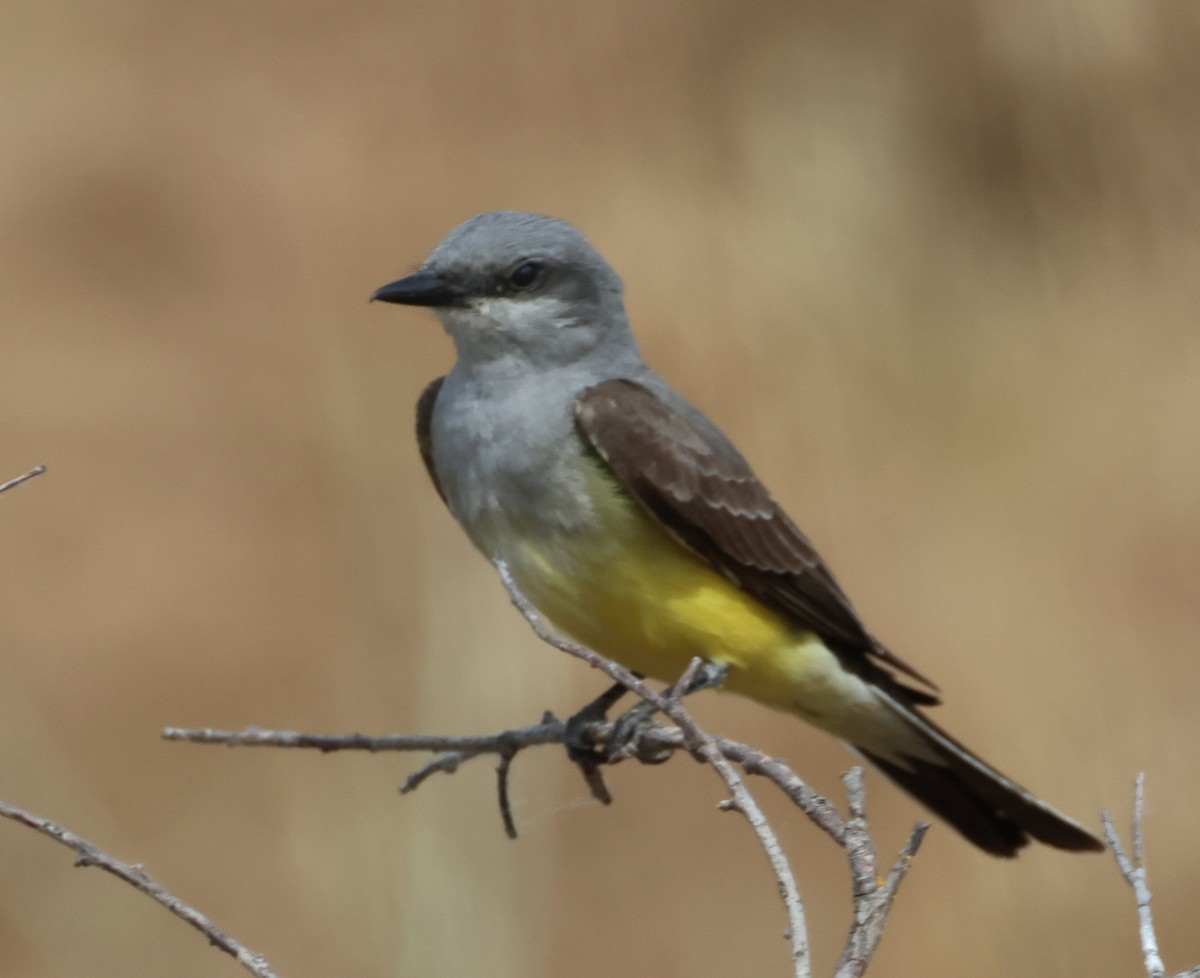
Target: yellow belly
[625,587]
[628,589]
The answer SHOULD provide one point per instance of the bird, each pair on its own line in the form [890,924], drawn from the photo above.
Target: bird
[633,524]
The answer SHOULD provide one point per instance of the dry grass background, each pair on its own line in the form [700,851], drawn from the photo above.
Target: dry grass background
[935,266]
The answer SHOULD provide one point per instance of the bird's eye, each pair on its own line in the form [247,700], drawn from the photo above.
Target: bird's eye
[525,276]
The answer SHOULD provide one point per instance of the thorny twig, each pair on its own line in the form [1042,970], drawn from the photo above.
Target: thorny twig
[89,855]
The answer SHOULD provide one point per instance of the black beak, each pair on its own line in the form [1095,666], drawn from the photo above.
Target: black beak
[423,288]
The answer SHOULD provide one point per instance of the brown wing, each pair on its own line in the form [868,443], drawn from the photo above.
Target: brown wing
[706,495]
[424,436]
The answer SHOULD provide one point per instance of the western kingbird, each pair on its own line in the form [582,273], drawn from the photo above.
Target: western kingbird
[633,524]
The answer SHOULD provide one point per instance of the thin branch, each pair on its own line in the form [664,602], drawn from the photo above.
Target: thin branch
[89,855]
[819,809]
[871,911]
[549,731]
[872,899]
[443,764]
[23,478]
[705,747]
[507,753]
[651,743]
[651,740]
[857,842]
[1134,871]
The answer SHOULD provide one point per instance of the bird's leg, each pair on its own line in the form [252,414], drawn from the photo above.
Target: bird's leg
[710,675]
[630,724]
[581,749]
[578,735]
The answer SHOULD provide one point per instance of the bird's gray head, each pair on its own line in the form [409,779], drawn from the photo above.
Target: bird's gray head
[510,284]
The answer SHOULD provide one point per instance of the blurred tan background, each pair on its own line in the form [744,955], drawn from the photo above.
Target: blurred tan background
[936,267]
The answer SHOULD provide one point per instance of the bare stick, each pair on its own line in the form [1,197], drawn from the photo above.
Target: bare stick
[705,747]
[507,753]
[857,842]
[871,911]
[1134,871]
[454,750]
[23,478]
[548,731]
[89,855]
[650,741]
[872,900]
[816,806]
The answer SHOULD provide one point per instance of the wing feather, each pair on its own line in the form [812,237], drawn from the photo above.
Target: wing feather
[424,430]
[689,477]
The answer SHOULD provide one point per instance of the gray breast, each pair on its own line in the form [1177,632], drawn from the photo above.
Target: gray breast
[510,460]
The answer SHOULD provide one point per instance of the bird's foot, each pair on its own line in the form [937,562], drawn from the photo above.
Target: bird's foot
[581,747]
[710,675]
[578,735]
[627,741]
[628,729]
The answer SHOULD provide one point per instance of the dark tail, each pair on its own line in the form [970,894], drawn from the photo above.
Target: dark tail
[995,813]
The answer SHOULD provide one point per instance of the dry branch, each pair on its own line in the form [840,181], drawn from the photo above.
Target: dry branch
[650,743]
[38,470]
[89,855]
[1134,871]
